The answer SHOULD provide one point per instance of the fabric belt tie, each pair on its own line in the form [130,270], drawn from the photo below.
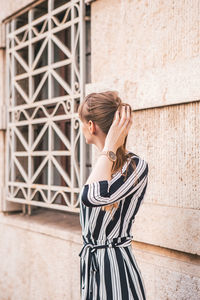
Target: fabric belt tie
[90,265]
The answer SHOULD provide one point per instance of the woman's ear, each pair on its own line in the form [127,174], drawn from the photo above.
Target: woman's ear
[92,127]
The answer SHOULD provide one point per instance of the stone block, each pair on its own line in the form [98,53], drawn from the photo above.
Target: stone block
[169,227]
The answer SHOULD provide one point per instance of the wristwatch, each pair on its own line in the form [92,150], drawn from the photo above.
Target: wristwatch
[110,154]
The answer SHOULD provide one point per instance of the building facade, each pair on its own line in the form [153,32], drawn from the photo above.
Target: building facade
[52,53]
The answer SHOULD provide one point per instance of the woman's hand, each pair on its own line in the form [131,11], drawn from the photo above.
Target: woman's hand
[119,129]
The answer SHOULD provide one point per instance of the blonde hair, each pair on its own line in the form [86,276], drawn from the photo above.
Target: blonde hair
[100,108]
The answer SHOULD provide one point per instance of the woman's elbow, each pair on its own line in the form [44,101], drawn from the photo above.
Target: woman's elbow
[91,202]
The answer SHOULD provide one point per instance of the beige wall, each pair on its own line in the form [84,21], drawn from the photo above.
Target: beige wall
[152,40]
[131,39]
[39,261]
[143,35]
[10,7]
[39,257]
[149,51]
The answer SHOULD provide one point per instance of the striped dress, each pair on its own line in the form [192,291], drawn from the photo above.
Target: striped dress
[108,269]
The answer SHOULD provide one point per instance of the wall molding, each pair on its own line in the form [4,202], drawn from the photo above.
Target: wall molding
[168,227]
[176,83]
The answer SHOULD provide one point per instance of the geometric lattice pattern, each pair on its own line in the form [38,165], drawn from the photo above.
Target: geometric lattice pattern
[45,58]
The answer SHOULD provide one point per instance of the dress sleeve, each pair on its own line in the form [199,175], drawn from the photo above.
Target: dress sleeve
[106,192]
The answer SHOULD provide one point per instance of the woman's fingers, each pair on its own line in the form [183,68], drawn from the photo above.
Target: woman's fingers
[122,122]
[116,117]
[127,117]
[123,116]
[128,112]
[120,126]
[129,125]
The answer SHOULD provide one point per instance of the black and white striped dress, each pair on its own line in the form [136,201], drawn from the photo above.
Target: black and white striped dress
[108,269]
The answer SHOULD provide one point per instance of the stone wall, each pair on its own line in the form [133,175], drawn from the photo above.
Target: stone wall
[39,256]
[149,51]
[39,261]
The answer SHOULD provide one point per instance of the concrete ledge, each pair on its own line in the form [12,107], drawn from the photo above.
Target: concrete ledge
[163,226]
[168,274]
[187,263]
[57,224]
[168,227]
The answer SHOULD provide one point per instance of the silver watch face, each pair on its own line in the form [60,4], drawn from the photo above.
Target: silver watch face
[112,155]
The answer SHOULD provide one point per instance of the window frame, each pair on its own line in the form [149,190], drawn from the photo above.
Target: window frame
[73,205]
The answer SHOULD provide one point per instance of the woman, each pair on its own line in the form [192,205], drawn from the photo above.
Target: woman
[109,201]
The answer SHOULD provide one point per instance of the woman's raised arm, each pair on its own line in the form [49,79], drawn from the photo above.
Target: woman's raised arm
[114,139]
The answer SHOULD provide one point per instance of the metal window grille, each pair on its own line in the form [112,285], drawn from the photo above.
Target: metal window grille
[46,58]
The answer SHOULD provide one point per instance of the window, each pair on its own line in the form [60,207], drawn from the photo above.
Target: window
[46,59]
